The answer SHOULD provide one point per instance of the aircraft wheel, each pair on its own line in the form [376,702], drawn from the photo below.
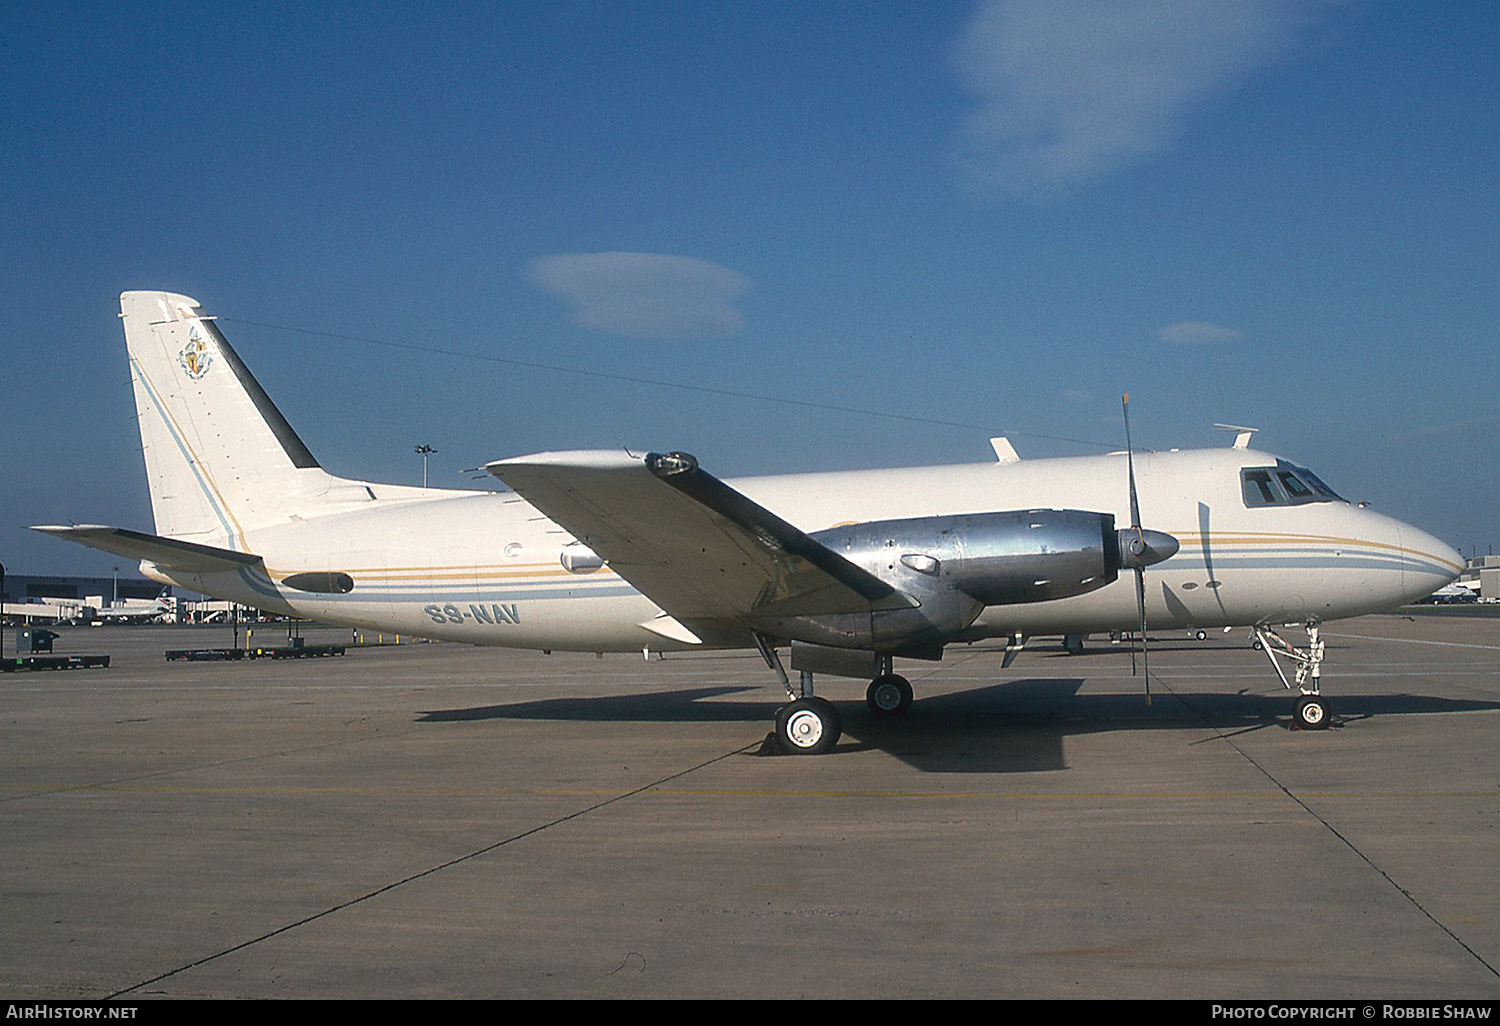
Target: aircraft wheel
[1201,635]
[1311,713]
[808,726]
[889,695]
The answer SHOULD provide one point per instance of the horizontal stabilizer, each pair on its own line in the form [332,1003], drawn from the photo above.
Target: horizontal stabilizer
[167,553]
[698,548]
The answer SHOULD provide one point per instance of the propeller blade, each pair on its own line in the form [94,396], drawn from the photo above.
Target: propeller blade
[1140,551]
[1140,602]
[1135,506]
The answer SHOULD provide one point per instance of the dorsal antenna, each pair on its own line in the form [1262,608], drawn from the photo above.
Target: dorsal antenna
[1242,439]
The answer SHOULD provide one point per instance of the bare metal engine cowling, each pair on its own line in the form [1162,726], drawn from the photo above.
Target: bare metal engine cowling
[955,566]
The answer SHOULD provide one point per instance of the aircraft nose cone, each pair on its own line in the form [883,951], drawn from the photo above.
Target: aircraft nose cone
[1145,548]
[1428,563]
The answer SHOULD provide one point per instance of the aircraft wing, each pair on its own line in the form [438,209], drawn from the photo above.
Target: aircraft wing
[692,544]
[167,553]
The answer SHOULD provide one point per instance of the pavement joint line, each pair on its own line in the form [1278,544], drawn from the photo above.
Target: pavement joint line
[433,870]
[1335,832]
[1415,641]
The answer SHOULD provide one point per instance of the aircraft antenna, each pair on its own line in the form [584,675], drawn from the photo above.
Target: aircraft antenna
[1242,434]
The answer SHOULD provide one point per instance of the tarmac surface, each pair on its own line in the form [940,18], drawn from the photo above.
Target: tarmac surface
[440,821]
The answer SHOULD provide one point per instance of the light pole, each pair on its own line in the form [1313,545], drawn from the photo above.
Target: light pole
[425,451]
[116,600]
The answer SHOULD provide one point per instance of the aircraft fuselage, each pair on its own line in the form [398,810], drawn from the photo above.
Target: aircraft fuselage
[488,569]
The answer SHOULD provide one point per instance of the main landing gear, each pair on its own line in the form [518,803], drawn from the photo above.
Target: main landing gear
[809,725]
[889,694]
[1311,712]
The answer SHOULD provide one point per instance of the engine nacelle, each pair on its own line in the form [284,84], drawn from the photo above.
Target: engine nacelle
[954,566]
[994,558]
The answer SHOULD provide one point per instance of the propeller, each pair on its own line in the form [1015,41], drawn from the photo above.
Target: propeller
[1139,549]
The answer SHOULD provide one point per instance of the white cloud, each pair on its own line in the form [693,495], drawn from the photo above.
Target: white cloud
[1196,333]
[1474,425]
[645,295]
[1070,90]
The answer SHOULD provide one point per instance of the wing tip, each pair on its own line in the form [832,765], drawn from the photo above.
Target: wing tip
[580,459]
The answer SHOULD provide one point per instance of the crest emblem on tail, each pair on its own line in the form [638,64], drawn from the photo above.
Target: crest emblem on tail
[195,356]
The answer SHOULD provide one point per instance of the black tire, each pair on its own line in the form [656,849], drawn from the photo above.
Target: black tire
[889,695]
[1311,713]
[808,726]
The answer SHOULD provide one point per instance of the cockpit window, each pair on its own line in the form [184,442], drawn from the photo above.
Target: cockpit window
[1259,489]
[1318,485]
[1283,485]
[1298,491]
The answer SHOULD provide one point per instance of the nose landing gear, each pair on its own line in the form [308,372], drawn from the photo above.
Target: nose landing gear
[1311,712]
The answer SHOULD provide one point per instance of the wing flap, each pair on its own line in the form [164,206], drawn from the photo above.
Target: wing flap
[167,553]
[694,545]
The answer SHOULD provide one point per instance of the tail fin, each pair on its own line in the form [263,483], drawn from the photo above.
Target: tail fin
[220,457]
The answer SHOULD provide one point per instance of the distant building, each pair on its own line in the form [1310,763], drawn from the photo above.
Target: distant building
[23,587]
[1485,570]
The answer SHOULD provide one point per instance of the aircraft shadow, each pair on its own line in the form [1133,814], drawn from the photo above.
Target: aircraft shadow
[1103,648]
[676,706]
[1009,727]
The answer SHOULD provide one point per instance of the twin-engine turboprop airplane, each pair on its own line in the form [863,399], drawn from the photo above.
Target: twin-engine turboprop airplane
[623,550]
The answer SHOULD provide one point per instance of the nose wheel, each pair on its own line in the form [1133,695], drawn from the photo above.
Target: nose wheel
[1312,713]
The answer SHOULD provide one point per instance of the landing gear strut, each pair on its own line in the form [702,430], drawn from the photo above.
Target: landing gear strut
[1311,712]
[807,725]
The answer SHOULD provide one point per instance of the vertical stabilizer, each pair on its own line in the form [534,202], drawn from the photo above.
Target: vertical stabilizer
[220,457]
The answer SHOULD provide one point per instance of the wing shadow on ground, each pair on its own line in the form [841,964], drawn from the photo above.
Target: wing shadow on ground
[1010,727]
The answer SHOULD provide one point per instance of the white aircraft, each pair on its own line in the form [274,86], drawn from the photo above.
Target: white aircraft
[623,550]
[135,610]
[91,610]
[1458,591]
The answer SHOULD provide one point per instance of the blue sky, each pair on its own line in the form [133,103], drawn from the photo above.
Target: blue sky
[1000,215]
